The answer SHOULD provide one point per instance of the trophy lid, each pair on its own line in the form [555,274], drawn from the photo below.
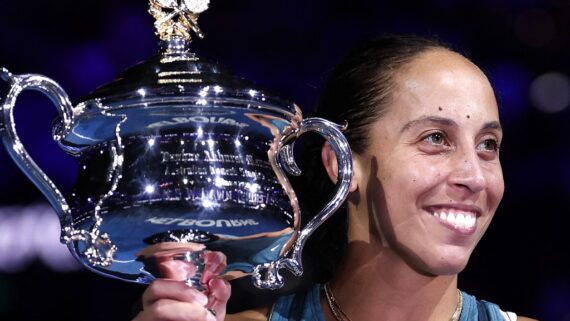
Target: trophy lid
[176,72]
[175,77]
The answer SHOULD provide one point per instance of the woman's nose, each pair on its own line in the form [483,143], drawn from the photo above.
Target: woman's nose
[468,173]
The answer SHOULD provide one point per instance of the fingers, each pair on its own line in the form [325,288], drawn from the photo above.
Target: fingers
[172,290]
[174,300]
[171,310]
[215,263]
[220,291]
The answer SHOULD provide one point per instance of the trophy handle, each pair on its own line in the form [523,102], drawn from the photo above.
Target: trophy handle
[14,146]
[266,276]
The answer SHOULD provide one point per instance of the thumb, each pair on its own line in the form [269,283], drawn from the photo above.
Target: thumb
[219,294]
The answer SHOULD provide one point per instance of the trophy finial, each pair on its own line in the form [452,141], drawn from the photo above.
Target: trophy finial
[175,18]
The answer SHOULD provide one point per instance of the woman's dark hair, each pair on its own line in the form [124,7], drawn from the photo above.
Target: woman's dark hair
[358,91]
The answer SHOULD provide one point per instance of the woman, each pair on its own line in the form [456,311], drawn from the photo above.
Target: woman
[425,133]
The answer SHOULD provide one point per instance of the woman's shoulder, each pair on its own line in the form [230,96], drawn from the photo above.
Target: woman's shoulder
[306,301]
[474,309]
[303,305]
[262,314]
[258,314]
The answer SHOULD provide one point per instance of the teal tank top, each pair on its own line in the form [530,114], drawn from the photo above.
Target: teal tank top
[307,307]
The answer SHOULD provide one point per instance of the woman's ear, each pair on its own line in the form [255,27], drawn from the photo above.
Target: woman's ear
[329,161]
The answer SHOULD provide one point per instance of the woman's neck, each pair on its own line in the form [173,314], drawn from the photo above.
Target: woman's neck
[374,283]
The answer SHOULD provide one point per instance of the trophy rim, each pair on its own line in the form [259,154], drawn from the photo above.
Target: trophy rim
[114,109]
[169,85]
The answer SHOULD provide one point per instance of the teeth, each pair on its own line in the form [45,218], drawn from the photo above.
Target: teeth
[451,219]
[470,220]
[462,221]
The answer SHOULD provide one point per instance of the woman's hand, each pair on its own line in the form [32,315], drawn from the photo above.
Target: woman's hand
[170,298]
[174,300]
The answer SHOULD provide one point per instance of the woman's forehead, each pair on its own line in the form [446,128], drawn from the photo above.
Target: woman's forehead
[443,77]
[440,68]
[442,84]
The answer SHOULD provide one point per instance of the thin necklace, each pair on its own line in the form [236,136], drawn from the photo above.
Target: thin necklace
[333,304]
[340,315]
[458,308]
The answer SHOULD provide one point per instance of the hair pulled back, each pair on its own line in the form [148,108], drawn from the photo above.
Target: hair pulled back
[358,91]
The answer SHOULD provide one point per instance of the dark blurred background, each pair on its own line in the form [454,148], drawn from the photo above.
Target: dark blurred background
[288,46]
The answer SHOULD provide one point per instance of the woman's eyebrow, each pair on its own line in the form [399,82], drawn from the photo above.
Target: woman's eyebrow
[447,122]
[492,125]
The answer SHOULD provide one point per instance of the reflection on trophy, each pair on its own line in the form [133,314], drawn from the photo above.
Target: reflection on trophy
[183,167]
[186,262]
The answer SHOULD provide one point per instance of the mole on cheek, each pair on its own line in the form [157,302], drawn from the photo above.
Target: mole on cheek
[468,116]
[440,109]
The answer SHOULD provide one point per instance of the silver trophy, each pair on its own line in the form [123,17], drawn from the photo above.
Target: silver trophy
[180,161]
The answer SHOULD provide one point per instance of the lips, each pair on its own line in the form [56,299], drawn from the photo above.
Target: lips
[463,221]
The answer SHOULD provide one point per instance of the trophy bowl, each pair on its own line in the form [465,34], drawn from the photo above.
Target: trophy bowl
[179,161]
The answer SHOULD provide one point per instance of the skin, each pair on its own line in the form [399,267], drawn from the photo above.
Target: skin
[169,298]
[436,149]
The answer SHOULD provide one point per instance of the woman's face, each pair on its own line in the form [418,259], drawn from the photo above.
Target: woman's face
[431,180]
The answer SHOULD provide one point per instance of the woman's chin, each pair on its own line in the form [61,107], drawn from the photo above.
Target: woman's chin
[435,265]
[450,266]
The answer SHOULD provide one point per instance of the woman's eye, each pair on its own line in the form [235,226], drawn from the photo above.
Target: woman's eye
[489,145]
[436,138]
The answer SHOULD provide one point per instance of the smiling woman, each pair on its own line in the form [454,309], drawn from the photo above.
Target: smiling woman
[426,157]
[425,132]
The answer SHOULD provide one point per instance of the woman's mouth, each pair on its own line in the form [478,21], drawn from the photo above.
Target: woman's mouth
[461,221]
